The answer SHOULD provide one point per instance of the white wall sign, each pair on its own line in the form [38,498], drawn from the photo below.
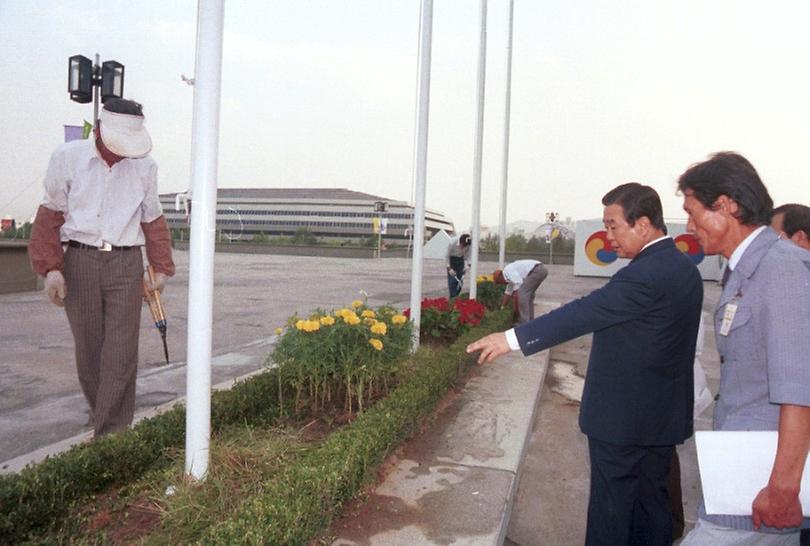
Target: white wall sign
[594,257]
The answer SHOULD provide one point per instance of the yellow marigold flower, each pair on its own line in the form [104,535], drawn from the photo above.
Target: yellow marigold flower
[369,321]
[351,318]
[379,328]
[357,303]
[327,320]
[300,324]
[311,325]
[279,331]
[368,313]
[399,319]
[376,343]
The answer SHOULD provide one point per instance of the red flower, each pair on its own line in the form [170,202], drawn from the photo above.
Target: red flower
[470,311]
[440,304]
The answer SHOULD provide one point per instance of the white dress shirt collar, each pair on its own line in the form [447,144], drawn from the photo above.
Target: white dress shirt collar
[740,250]
[653,242]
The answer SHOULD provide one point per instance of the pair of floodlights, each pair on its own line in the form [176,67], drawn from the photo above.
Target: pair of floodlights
[83,74]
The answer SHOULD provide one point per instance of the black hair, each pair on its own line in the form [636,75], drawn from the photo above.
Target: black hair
[637,200]
[729,174]
[796,218]
[464,239]
[124,106]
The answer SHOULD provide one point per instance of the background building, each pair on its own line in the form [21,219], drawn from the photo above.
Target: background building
[335,213]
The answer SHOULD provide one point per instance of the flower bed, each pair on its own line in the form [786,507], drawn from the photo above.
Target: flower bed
[445,320]
[349,355]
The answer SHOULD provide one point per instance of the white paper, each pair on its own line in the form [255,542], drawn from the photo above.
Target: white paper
[735,466]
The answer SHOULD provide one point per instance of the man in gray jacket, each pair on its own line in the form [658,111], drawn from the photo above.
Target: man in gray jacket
[761,323]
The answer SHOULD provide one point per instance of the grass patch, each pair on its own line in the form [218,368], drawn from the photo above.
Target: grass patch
[163,508]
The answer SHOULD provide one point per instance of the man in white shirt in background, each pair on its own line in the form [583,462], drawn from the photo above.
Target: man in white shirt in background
[522,279]
[457,256]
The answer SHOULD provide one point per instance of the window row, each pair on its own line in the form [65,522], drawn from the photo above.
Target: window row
[327,213]
[362,225]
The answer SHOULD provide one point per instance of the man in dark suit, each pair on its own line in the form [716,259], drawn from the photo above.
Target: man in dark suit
[638,395]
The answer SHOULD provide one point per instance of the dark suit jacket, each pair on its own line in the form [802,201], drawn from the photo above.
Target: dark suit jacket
[639,387]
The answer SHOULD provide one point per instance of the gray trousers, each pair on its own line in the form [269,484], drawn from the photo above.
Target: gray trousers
[103,307]
[527,290]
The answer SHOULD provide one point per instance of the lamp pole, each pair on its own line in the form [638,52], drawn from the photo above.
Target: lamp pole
[96,78]
[551,217]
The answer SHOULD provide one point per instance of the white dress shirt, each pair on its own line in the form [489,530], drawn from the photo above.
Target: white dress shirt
[101,203]
[515,273]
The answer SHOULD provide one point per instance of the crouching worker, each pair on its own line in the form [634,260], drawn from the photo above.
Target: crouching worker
[522,279]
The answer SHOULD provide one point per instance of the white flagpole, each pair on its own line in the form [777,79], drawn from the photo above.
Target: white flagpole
[205,144]
[475,236]
[420,171]
[506,122]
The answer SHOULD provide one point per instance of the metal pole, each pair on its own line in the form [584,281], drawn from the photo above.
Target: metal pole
[475,236]
[506,122]
[96,88]
[205,131]
[420,171]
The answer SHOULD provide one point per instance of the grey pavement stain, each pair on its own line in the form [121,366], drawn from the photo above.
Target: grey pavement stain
[444,516]
[17,390]
[155,398]
[475,432]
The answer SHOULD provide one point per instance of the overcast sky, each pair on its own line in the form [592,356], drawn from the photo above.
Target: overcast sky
[322,93]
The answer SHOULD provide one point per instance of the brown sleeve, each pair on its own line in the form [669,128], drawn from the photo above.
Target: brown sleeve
[45,246]
[159,245]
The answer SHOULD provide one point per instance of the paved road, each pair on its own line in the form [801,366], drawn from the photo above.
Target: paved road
[40,398]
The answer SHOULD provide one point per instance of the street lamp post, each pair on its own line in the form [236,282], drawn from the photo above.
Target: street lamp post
[86,78]
[380,207]
[551,218]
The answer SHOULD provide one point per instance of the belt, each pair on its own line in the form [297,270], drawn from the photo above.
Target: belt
[106,247]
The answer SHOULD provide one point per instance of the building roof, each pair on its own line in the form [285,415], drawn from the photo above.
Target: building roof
[331,194]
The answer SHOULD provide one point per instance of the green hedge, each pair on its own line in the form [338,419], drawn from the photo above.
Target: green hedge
[299,504]
[39,495]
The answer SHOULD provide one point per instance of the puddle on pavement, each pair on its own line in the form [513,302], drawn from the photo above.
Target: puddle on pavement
[564,380]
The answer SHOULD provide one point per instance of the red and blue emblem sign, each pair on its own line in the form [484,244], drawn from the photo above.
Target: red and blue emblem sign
[687,244]
[599,250]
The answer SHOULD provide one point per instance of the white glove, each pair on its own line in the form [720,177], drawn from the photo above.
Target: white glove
[55,287]
[158,284]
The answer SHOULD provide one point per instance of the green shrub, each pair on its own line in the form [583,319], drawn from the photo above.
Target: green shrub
[490,294]
[350,354]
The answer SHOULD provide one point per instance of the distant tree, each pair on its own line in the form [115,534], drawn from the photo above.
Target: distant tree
[516,242]
[24,231]
[261,238]
[303,236]
[536,244]
[490,243]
